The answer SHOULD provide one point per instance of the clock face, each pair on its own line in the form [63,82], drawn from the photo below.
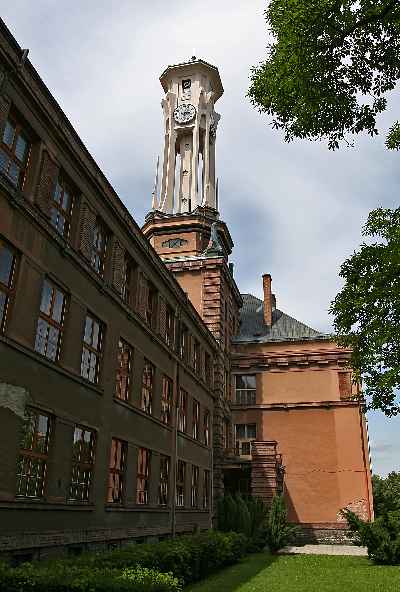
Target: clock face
[184,113]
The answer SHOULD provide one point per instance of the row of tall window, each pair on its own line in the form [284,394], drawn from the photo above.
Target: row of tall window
[49,338]
[116,492]
[35,445]
[133,286]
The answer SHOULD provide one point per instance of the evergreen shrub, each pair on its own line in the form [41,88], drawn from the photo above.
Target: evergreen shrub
[382,537]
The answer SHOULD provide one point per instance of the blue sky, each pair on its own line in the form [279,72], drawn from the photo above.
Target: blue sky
[294,210]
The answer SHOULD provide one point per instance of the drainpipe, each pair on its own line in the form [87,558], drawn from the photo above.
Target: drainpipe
[175,428]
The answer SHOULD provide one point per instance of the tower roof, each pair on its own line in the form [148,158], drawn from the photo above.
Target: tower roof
[209,69]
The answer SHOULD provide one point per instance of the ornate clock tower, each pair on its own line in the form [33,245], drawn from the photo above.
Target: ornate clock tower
[190,125]
[184,225]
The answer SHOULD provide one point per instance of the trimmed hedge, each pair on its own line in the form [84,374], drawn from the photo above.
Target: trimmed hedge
[189,558]
[157,567]
[59,577]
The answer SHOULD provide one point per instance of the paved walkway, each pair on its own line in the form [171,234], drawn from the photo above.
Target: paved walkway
[325,550]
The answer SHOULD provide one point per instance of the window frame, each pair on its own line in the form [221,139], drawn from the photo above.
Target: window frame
[97,352]
[195,419]
[182,410]
[143,475]
[206,489]
[206,427]
[169,326]
[20,129]
[246,440]
[248,396]
[194,487]
[98,254]
[163,485]
[83,466]
[167,396]
[8,290]
[120,471]
[120,374]
[196,353]
[50,322]
[180,483]
[150,312]
[29,454]
[146,401]
[64,184]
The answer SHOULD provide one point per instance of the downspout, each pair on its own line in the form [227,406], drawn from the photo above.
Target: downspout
[175,429]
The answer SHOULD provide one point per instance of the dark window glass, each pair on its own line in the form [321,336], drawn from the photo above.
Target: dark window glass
[82,464]
[8,261]
[206,490]
[195,487]
[180,483]
[164,481]
[196,419]
[33,454]
[169,326]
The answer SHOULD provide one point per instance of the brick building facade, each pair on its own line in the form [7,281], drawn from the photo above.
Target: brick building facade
[136,382]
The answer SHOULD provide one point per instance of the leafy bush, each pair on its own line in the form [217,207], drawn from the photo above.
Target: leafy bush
[386,493]
[161,567]
[189,558]
[62,577]
[382,537]
[279,532]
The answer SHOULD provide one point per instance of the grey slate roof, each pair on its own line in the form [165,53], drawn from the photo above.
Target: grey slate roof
[284,327]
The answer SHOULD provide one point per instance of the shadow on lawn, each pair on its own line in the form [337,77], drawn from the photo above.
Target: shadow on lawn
[229,579]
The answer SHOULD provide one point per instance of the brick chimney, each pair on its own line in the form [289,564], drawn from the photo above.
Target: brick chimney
[267,299]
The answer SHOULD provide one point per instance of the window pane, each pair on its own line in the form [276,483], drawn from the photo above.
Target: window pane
[88,330]
[8,135]
[41,438]
[95,337]
[41,336]
[21,148]
[52,345]
[66,201]
[251,431]
[240,431]
[13,172]
[6,263]
[58,306]
[57,193]
[47,292]
[4,161]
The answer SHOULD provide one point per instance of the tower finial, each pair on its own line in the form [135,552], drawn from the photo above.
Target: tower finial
[154,202]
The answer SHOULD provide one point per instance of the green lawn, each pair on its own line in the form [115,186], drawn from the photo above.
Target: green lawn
[302,573]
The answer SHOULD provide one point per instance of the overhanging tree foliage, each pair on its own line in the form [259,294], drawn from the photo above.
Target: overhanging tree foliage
[329,68]
[367,310]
